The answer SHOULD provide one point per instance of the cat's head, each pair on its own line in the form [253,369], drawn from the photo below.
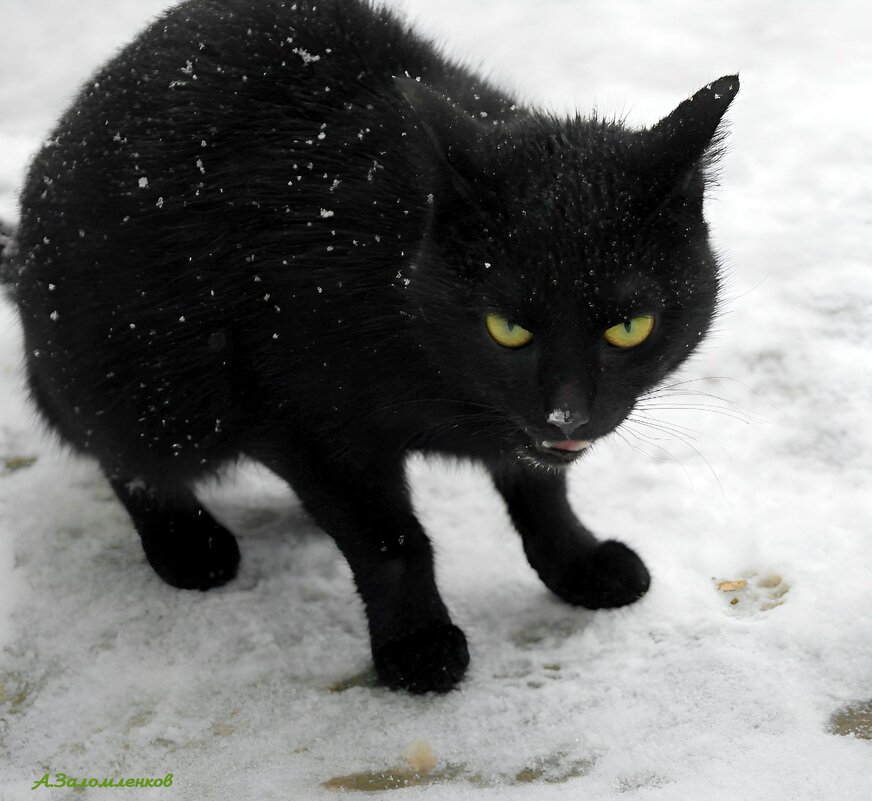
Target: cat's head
[568,268]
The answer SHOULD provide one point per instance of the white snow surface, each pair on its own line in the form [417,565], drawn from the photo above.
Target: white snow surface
[106,672]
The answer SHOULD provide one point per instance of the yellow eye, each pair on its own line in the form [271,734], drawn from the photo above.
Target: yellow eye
[507,333]
[630,333]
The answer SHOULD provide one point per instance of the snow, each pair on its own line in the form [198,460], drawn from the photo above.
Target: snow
[260,690]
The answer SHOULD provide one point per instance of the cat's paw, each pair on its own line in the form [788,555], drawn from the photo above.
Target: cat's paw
[611,575]
[198,556]
[432,659]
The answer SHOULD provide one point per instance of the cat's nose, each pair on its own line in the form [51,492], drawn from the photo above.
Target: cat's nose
[568,420]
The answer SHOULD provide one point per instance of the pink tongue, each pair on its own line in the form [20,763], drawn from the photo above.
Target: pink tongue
[568,445]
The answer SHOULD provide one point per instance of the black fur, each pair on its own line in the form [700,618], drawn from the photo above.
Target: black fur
[6,235]
[256,231]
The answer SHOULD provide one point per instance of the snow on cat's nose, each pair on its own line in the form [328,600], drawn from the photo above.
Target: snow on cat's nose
[567,420]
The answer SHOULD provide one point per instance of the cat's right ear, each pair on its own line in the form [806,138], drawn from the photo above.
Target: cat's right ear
[456,138]
[690,131]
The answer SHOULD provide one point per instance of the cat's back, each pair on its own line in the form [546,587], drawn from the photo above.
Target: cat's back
[237,82]
[200,185]
[227,126]
[221,84]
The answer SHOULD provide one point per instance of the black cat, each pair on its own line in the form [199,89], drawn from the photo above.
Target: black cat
[295,231]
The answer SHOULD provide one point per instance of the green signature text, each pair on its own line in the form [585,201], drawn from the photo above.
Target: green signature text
[62,780]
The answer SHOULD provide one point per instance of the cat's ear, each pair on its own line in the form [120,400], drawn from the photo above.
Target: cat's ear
[690,132]
[456,138]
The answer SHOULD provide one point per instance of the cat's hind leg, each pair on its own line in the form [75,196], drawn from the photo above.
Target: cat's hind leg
[571,562]
[184,544]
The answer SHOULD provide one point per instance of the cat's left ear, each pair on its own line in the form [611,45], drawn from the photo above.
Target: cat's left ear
[456,137]
[690,131]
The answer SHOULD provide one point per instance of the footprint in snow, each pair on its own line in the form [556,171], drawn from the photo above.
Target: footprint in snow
[750,595]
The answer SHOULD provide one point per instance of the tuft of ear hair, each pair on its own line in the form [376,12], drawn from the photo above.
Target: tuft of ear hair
[685,135]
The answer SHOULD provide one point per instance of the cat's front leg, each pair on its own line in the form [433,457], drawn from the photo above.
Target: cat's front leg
[571,562]
[366,509]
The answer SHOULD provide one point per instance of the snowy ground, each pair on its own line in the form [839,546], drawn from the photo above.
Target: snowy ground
[259,690]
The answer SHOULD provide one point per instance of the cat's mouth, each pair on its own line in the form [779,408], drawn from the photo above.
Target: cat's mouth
[565,450]
[566,445]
